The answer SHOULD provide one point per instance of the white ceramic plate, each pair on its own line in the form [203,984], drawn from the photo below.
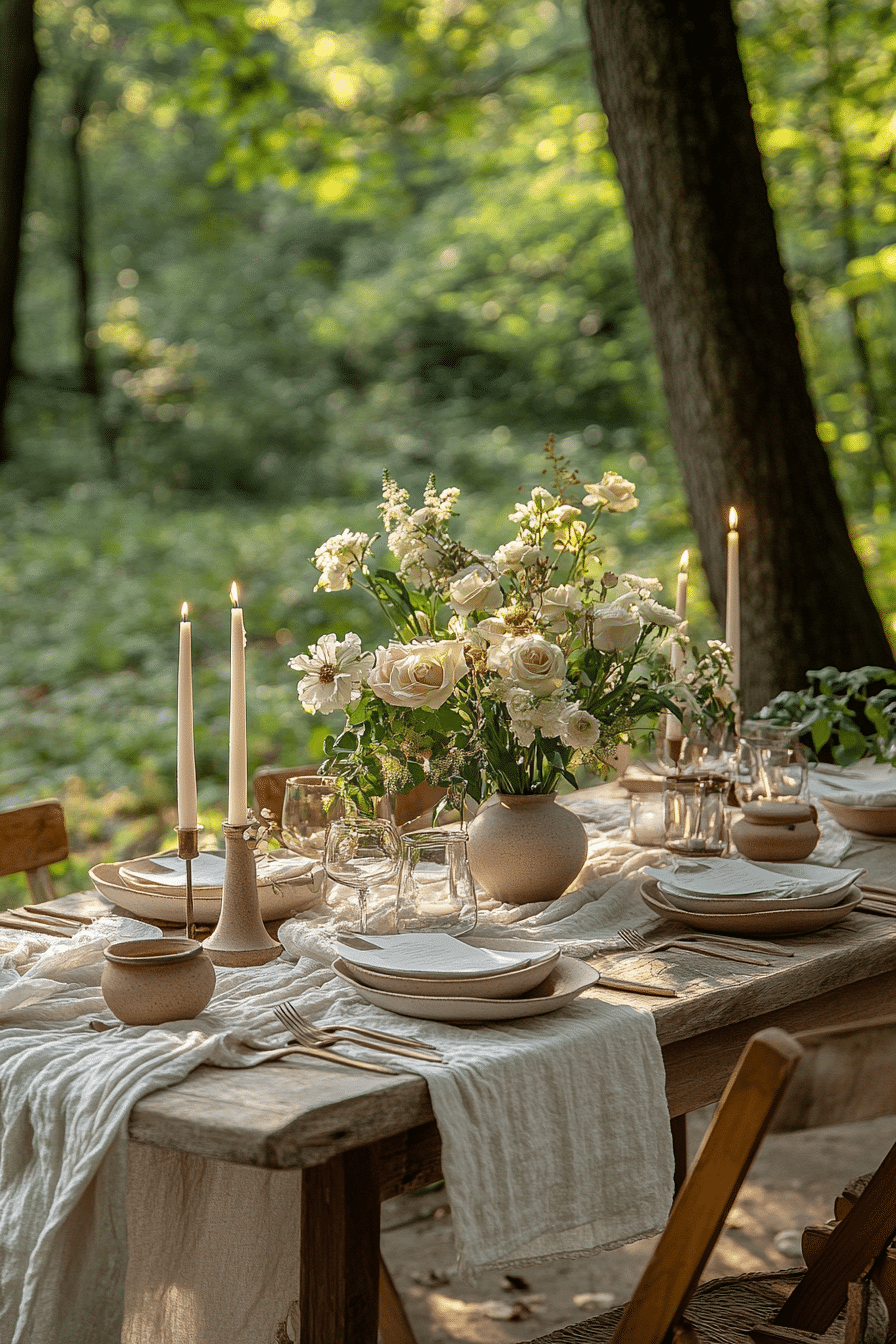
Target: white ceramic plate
[753,905]
[868,820]
[780,922]
[563,984]
[441,956]
[276,902]
[499,985]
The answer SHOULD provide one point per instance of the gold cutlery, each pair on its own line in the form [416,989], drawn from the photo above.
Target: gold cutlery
[64,915]
[636,987]
[10,921]
[638,943]
[293,1020]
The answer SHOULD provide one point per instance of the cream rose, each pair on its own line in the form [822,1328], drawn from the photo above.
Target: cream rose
[474,589]
[534,664]
[557,603]
[654,613]
[614,628]
[414,675]
[578,728]
[614,492]
[516,555]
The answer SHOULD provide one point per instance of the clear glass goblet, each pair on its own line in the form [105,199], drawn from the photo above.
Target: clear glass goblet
[361,852]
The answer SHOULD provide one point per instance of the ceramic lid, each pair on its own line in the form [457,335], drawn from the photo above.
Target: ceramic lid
[770,812]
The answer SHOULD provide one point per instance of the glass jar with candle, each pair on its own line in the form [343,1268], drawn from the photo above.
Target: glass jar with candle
[435,885]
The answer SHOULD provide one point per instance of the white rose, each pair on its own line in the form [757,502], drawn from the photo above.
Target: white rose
[614,492]
[563,513]
[557,602]
[548,716]
[493,629]
[654,613]
[516,555]
[614,628]
[578,728]
[334,578]
[412,675]
[534,665]
[474,589]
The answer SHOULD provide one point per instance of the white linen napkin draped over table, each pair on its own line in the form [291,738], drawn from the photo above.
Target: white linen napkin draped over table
[540,1153]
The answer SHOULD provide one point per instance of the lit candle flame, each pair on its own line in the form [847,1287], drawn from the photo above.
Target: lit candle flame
[732,519]
[234,594]
[184,612]
[683,563]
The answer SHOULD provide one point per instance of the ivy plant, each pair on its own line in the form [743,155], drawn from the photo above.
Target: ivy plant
[843,716]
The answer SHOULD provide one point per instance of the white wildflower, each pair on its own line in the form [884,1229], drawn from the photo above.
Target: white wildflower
[335,670]
[613,493]
[578,728]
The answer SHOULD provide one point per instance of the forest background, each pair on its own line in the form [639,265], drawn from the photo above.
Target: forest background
[270,249]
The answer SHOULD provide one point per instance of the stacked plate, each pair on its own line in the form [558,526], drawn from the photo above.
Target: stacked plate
[860,797]
[154,887]
[736,896]
[469,979]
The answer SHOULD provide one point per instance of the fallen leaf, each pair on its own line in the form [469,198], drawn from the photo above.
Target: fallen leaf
[512,1283]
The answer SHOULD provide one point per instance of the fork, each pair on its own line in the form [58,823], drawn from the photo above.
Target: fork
[639,943]
[293,1020]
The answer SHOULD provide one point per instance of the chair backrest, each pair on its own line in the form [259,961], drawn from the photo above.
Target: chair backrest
[31,838]
[770,1061]
[269,788]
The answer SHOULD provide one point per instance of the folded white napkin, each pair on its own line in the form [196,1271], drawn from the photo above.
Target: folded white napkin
[165,873]
[866,784]
[738,877]
[424,954]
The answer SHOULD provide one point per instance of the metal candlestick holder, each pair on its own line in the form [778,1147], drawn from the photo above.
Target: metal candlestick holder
[188,850]
[240,937]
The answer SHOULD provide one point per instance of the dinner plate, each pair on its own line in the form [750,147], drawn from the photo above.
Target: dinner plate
[496,985]
[868,820]
[276,901]
[442,956]
[753,905]
[563,984]
[780,922]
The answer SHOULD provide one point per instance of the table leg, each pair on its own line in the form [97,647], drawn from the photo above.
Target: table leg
[340,1250]
[679,1126]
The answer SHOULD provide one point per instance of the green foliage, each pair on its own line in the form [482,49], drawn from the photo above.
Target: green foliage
[844,716]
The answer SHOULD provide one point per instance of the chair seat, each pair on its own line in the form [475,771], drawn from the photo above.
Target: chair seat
[721,1312]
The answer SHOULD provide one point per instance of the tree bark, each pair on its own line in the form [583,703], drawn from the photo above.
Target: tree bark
[19,69]
[672,85]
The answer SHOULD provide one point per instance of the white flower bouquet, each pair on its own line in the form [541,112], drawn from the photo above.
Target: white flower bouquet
[505,672]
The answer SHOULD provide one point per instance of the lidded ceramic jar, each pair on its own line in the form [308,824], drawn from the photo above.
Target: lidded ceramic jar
[152,980]
[775,831]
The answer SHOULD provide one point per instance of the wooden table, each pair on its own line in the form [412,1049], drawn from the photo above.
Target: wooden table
[360,1138]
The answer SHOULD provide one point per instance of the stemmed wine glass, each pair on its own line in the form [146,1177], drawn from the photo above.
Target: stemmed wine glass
[360,852]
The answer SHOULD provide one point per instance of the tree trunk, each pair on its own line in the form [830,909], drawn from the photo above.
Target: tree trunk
[672,86]
[18,71]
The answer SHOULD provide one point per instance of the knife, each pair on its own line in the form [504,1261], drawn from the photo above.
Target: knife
[637,987]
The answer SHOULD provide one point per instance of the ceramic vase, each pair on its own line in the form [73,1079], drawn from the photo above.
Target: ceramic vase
[525,847]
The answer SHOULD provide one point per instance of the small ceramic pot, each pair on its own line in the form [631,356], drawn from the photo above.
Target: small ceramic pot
[776,832]
[154,980]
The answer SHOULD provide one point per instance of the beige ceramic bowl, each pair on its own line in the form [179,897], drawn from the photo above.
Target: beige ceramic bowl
[868,820]
[154,980]
[775,922]
[497,985]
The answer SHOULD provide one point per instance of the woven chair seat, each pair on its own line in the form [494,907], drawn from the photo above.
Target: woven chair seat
[721,1312]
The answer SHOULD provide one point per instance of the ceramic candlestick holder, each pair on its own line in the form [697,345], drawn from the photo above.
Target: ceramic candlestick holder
[188,850]
[240,937]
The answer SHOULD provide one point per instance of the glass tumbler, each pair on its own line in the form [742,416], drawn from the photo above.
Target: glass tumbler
[309,805]
[694,814]
[771,763]
[435,885]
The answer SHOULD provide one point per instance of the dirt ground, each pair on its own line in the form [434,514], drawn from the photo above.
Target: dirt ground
[794,1181]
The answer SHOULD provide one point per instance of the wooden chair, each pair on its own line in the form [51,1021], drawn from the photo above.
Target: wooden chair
[842,1075]
[31,838]
[269,787]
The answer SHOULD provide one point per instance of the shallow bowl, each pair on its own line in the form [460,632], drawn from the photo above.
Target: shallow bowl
[276,902]
[868,820]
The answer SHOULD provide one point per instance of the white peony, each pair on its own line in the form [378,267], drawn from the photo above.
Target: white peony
[414,675]
[335,670]
[614,628]
[613,492]
[474,589]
